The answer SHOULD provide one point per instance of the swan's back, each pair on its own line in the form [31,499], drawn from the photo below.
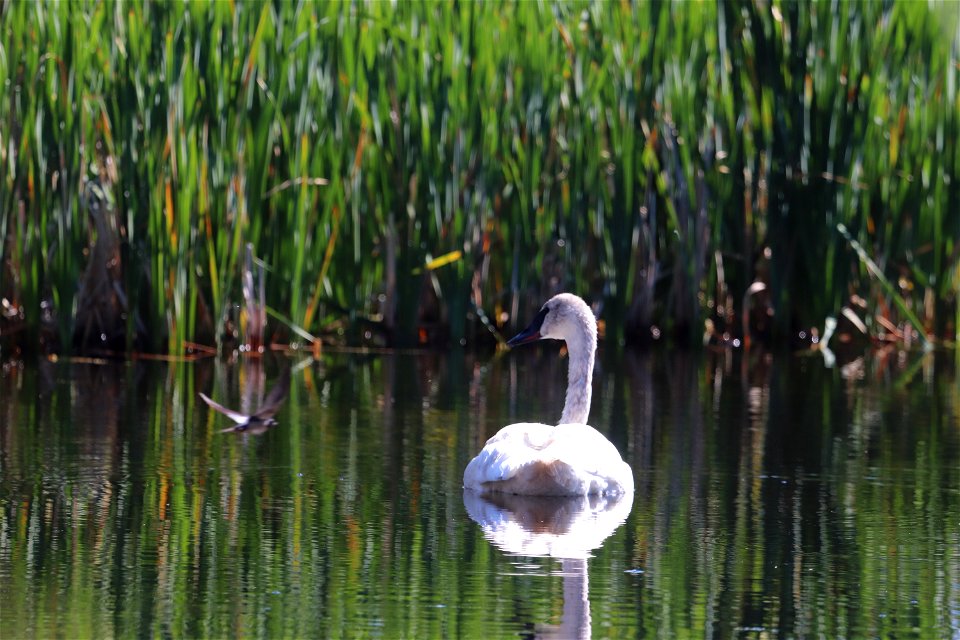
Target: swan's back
[530,458]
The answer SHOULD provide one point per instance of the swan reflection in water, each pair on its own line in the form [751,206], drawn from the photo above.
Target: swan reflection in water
[566,528]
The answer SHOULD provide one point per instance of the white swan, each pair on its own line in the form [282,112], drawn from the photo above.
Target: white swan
[572,458]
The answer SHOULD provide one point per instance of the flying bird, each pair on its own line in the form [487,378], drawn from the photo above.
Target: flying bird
[262,419]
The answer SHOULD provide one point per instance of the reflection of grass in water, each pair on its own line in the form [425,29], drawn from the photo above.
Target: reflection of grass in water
[126,510]
[645,156]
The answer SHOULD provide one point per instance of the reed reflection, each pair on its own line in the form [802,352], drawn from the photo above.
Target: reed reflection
[773,496]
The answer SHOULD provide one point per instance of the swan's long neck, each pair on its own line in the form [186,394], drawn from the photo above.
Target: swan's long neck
[581,348]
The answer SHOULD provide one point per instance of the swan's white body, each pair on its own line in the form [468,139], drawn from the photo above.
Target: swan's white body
[572,458]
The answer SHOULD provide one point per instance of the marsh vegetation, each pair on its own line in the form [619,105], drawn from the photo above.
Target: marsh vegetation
[419,172]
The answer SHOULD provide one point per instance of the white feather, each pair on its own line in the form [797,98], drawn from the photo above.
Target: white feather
[530,458]
[569,459]
[236,416]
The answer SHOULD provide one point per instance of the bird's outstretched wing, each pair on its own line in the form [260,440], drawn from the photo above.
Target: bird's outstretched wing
[236,427]
[236,416]
[253,428]
[276,396]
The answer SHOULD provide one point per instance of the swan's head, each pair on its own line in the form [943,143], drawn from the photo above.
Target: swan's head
[564,317]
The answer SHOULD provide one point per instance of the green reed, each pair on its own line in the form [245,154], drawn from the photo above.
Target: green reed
[656,158]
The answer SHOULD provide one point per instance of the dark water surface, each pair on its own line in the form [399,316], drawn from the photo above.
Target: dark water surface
[775,498]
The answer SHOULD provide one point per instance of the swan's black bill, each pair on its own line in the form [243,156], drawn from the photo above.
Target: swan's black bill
[531,333]
[263,418]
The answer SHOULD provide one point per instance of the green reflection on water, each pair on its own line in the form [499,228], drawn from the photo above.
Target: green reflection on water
[774,498]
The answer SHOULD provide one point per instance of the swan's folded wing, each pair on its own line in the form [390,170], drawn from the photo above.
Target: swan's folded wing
[594,459]
[236,416]
[506,452]
[583,446]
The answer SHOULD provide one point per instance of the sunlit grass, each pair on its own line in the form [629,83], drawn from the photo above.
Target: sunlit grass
[657,159]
